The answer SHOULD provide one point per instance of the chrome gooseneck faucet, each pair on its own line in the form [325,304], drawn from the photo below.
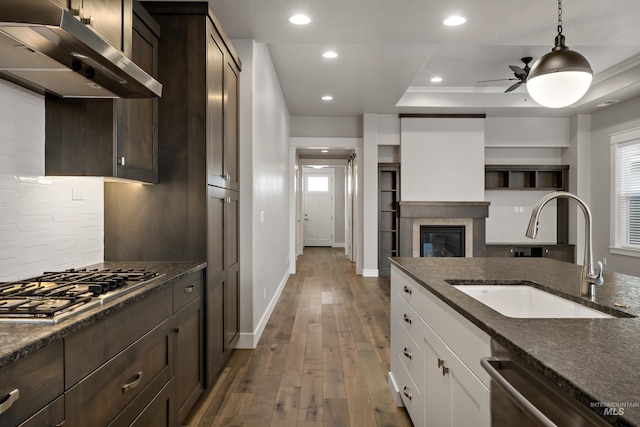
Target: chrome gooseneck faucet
[589,279]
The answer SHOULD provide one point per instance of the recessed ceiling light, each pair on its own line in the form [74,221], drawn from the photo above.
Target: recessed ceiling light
[436,79]
[324,151]
[454,21]
[330,54]
[300,19]
[327,98]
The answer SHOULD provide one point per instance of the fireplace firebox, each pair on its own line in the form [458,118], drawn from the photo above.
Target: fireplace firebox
[442,241]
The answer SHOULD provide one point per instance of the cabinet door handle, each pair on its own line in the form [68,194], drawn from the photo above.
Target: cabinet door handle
[406,319]
[404,391]
[407,290]
[9,400]
[189,289]
[407,354]
[440,363]
[133,384]
[176,329]
[121,161]
[445,370]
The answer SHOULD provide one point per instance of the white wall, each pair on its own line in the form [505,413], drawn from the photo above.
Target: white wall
[442,159]
[578,157]
[264,161]
[616,118]
[523,141]
[329,127]
[526,132]
[42,227]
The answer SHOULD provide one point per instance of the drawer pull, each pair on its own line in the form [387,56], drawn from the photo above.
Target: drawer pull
[189,289]
[133,384]
[440,363]
[407,290]
[407,354]
[404,391]
[406,318]
[9,400]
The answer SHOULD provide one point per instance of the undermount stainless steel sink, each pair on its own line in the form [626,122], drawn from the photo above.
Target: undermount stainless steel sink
[522,300]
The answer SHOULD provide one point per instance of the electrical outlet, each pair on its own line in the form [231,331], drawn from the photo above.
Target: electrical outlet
[261,217]
[604,261]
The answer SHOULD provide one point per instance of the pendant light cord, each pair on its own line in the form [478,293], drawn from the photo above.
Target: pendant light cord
[559,16]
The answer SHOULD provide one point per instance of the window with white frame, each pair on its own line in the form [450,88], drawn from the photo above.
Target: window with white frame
[626,206]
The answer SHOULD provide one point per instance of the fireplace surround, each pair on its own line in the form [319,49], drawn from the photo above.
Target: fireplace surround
[470,215]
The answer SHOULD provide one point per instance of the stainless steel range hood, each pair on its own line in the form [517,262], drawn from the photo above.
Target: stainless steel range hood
[45,48]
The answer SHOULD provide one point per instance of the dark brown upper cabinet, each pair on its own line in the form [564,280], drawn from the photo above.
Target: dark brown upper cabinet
[115,138]
[222,78]
[111,19]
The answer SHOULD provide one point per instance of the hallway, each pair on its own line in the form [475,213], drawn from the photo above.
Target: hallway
[322,360]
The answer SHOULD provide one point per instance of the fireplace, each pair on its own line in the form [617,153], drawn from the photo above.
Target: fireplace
[466,217]
[442,241]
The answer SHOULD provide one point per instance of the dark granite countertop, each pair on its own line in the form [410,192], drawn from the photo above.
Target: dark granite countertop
[597,361]
[18,340]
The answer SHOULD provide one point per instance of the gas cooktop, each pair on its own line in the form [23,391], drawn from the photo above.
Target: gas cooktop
[53,297]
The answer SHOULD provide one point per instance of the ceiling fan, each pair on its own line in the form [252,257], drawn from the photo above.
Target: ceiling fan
[520,74]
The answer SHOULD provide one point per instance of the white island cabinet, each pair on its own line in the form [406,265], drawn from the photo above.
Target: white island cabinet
[435,359]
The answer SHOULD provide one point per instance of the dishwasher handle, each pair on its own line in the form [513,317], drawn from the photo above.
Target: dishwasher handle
[517,397]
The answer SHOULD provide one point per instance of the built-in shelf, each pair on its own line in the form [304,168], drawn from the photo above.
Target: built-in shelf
[526,177]
[534,177]
[388,205]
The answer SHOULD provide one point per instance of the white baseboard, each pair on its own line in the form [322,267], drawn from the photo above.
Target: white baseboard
[249,340]
[370,272]
[338,245]
[395,391]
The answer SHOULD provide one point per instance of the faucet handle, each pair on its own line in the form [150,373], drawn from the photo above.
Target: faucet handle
[599,280]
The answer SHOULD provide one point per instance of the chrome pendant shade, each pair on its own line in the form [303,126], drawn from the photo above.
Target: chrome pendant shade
[562,76]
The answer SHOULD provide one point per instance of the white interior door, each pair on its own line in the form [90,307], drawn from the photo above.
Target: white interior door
[319,187]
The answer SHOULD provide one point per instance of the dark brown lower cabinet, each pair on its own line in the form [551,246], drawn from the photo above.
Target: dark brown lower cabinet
[50,415]
[564,253]
[189,351]
[223,278]
[159,412]
[125,384]
[29,384]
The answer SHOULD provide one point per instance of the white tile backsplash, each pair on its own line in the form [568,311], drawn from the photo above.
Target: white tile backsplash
[41,227]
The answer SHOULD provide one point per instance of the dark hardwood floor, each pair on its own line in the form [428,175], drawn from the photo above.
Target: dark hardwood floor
[322,360]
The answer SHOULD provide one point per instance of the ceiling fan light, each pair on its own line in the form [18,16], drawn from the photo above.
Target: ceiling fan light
[560,89]
[559,78]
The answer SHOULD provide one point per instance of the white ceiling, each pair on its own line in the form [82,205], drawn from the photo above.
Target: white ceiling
[389,49]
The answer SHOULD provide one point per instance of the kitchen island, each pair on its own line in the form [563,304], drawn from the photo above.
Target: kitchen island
[595,361]
[127,356]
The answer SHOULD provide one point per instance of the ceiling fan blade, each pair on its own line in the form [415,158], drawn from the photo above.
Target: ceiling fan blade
[513,87]
[516,69]
[495,80]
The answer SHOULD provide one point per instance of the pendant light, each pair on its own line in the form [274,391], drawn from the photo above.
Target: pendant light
[562,76]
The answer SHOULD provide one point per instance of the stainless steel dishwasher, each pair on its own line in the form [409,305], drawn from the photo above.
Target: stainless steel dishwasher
[521,397]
